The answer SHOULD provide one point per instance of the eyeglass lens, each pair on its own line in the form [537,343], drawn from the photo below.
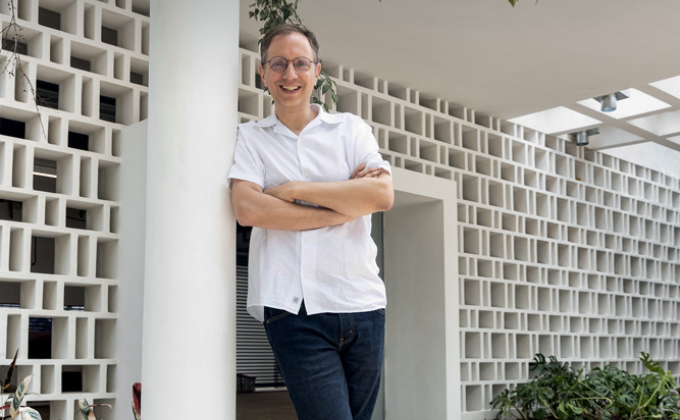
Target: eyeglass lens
[279,64]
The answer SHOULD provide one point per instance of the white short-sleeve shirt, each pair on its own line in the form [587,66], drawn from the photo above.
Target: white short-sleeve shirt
[333,269]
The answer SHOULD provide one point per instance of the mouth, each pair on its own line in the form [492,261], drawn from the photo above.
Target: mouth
[290,88]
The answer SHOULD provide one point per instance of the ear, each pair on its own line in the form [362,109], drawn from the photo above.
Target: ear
[260,70]
[318,70]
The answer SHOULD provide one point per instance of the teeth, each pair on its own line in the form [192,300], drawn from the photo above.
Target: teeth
[290,87]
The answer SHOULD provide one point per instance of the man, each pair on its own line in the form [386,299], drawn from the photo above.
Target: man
[307,182]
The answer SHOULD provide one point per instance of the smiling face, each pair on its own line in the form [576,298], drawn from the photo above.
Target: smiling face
[290,90]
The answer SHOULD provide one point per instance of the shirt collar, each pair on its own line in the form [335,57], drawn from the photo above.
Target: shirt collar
[321,116]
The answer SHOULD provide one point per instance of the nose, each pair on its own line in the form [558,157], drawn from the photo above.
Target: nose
[290,72]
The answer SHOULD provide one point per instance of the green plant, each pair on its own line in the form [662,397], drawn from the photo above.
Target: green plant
[18,411]
[278,12]
[513,2]
[558,392]
[87,410]
[13,403]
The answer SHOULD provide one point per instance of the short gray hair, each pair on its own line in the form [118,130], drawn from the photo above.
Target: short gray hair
[287,30]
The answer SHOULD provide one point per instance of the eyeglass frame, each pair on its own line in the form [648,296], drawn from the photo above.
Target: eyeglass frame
[291,61]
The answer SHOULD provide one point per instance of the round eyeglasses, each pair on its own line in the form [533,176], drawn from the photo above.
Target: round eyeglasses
[280,64]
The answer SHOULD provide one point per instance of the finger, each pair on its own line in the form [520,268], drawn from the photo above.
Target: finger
[372,173]
[357,171]
[369,172]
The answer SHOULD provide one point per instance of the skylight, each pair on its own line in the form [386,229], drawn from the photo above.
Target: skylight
[555,120]
[638,103]
[660,124]
[670,86]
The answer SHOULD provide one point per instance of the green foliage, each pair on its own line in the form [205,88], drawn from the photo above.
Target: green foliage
[13,403]
[87,410]
[558,392]
[8,376]
[514,2]
[278,12]
[274,13]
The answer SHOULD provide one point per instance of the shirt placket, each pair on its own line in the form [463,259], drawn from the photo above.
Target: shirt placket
[308,237]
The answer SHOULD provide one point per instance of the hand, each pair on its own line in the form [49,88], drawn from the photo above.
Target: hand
[363,172]
[283,192]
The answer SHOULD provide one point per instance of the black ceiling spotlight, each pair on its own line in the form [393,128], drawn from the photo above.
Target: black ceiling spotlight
[581,138]
[609,101]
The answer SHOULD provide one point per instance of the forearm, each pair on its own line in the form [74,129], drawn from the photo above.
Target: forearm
[355,197]
[253,208]
[289,216]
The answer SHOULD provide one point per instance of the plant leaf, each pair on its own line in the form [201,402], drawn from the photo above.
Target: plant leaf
[137,400]
[8,376]
[28,413]
[84,408]
[19,396]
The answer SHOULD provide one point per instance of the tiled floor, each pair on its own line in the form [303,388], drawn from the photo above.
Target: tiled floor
[265,406]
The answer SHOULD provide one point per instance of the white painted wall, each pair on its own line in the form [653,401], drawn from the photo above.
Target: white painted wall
[422,376]
[130,297]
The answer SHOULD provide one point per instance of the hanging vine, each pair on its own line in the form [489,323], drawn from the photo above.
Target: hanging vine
[12,39]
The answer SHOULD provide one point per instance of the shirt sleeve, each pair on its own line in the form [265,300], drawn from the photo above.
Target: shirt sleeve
[366,148]
[247,165]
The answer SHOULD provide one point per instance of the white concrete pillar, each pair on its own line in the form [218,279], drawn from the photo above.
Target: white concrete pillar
[189,348]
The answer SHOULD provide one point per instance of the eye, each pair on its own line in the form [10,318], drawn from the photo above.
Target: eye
[302,64]
[278,64]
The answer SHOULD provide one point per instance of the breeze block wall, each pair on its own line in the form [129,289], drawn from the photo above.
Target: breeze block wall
[87,62]
[562,250]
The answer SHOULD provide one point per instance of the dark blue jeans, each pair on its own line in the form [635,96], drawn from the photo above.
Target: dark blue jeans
[331,362]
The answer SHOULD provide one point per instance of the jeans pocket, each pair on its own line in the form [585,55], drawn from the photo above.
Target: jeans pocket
[274,314]
[381,311]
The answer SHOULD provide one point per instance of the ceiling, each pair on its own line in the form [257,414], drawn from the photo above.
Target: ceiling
[510,62]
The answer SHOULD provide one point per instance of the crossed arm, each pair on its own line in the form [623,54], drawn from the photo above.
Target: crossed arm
[367,191]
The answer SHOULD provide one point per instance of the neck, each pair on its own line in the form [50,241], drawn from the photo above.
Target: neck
[297,120]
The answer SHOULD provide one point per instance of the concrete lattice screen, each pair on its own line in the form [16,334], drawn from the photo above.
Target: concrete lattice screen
[562,250]
[59,169]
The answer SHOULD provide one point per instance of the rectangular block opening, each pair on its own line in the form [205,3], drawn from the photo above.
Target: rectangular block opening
[522,297]
[106,259]
[49,18]
[74,298]
[486,319]
[523,345]
[47,379]
[534,322]
[473,398]
[76,218]
[15,45]
[511,321]
[473,345]
[104,339]
[12,128]
[43,251]
[10,294]
[11,210]
[47,94]
[45,175]
[107,108]
[487,371]
[472,293]
[40,338]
